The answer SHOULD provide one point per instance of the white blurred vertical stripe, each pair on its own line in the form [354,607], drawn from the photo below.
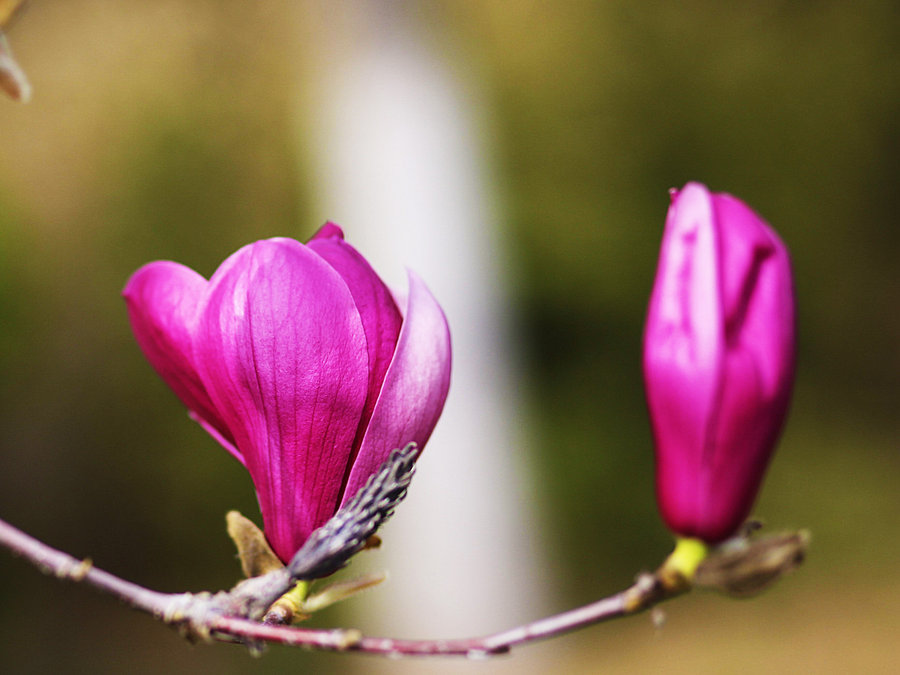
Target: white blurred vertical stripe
[395,152]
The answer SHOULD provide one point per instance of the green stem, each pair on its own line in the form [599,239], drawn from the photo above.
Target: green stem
[299,593]
[289,607]
[686,558]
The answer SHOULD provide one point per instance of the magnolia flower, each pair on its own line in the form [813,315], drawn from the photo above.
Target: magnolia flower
[300,362]
[718,360]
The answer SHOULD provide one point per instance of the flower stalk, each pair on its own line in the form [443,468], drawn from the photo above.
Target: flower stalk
[679,568]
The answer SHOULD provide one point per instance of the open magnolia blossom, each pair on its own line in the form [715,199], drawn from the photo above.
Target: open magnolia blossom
[300,362]
[718,360]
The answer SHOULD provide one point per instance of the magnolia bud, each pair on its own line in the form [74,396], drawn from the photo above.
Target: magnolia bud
[718,360]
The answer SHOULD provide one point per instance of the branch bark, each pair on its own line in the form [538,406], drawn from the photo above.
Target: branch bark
[740,567]
[220,616]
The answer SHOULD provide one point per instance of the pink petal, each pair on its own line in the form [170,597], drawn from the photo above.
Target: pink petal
[163,300]
[414,389]
[327,231]
[380,317]
[684,349]
[718,360]
[758,370]
[281,350]
[758,291]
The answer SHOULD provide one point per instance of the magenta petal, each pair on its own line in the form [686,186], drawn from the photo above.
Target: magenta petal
[380,317]
[683,343]
[281,349]
[758,368]
[163,299]
[327,231]
[758,293]
[718,360]
[414,388]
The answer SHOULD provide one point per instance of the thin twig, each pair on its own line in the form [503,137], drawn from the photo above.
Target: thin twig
[204,616]
[63,566]
[741,566]
[234,616]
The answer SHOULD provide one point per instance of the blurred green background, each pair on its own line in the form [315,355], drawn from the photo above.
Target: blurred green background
[169,130]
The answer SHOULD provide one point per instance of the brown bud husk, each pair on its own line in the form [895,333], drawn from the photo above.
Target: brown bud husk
[749,566]
[257,557]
